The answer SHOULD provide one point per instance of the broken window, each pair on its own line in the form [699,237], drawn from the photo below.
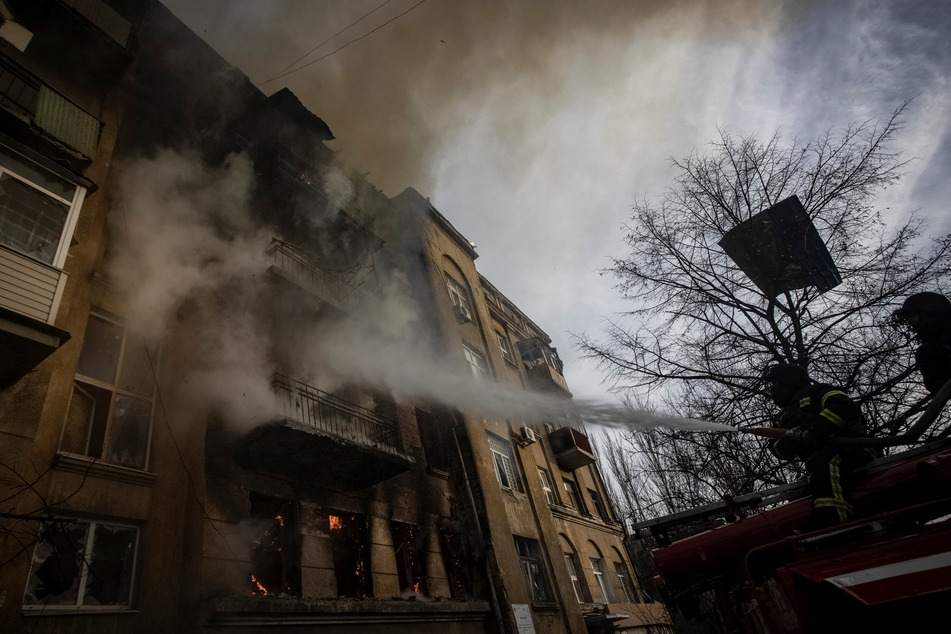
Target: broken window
[505,347]
[625,578]
[110,411]
[435,432]
[458,565]
[530,556]
[351,547]
[275,551]
[410,566]
[504,461]
[86,564]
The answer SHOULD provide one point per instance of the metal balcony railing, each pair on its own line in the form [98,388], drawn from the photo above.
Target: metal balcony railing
[300,269]
[315,408]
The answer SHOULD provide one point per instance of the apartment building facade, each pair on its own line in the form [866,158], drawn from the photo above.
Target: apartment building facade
[131,500]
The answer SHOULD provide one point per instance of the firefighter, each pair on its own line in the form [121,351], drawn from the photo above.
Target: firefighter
[814,414]
[929,317]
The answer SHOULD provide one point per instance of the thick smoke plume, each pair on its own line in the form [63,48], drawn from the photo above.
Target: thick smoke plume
[191,262]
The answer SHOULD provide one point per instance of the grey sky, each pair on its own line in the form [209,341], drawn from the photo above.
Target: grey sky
[533,125]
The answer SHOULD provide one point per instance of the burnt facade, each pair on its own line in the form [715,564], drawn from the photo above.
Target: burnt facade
[132,499]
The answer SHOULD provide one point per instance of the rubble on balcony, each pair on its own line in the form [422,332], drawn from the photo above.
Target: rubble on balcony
[542,365]
[323,440]
[571,447]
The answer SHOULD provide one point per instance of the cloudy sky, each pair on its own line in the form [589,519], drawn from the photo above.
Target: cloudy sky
[534,124]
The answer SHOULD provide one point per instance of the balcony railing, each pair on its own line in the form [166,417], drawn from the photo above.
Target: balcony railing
[325,412]
[296,265]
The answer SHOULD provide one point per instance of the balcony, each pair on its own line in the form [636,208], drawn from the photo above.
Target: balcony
[41,108]
[542,366]
[297,265]
[324,440]
[571,447]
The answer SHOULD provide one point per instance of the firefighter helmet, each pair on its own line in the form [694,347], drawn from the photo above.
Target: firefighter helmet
[925,302]
[786,373]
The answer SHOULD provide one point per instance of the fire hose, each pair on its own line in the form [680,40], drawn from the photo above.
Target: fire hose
[928,417]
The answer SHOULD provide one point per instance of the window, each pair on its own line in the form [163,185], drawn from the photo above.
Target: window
[459,297]
[459,565]
[625,580]
[38,209]
[597,566]
[505,347]
[476,363]
[598,505]
[504,461]
[110,412]
[436,436]
[546,486]
[573,575]
[275,550]
[410,567]
[571,489]
[530,557]
[82,564]
[351,550]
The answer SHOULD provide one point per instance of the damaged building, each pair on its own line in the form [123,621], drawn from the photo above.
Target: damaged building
[256,427]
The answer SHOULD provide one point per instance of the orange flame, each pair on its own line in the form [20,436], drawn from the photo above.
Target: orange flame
[260,590]
[335,523]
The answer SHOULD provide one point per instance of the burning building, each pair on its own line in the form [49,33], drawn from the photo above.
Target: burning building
[241,387]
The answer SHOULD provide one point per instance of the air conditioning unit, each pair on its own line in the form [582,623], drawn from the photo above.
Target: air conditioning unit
[528,434]
[462,313]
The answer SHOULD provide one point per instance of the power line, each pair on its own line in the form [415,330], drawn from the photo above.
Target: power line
[328,39]
[345,45]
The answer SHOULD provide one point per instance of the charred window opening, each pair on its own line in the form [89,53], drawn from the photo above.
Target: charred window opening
[458,565]
[351,546]
[435,430]
[530,556]
[410,565]
[275,552]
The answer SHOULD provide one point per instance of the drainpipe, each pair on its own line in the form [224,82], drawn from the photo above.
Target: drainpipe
[496,609]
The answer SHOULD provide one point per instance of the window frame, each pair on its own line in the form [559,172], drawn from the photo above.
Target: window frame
[599,570]
[598,503]
[576,581]
[82,381]
[572,493]
[533,569]
[503,452]
[547,486]
[505,347]
[73,206]
[459,296]
[85,561]
[477,363]
[623,575]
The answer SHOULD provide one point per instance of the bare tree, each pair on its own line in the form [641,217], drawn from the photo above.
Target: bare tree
[700,332]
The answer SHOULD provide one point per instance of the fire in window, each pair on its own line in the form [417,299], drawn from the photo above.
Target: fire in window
[82,564]
[275,551]
[459,565]
[110,411]
[410,565]
[351,546]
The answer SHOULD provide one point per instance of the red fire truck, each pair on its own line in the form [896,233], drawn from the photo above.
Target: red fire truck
[751,564]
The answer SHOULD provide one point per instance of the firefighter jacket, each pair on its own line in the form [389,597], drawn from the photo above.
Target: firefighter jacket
[821,412]
[933,356]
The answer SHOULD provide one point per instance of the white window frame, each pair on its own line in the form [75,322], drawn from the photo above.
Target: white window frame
[573,575]
[88,549]
[536,577]
[480,370]
[547,486]
[505,347]
[597,566]
[117,392]
[459,297]
[504,461]
[624,577]
[571,490]
[74,205]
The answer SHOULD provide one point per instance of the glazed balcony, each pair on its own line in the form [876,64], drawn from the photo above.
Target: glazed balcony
[324,440]
[571,447]
[543,368]
[300,267]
